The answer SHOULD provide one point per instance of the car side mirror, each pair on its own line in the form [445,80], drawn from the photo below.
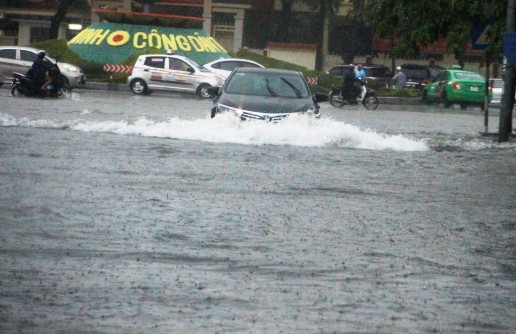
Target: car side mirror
[213,90]
[191,70]
[321,97]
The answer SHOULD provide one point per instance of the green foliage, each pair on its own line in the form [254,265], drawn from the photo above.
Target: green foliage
[415,24]
[408,92]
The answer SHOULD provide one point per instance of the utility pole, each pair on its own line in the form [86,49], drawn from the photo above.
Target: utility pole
[505,127]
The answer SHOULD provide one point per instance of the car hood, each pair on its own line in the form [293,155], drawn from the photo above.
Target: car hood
[268,105]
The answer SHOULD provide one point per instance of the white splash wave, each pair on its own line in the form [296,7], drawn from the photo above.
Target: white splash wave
[302,131]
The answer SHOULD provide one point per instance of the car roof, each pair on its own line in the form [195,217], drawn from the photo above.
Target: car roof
[27,48]
[232,59]
[165,55]
[266,70]
[414,66]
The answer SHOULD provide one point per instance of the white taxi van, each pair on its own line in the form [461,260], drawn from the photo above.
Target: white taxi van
[171,73]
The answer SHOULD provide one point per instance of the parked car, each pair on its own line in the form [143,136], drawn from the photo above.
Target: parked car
[171,73]
[497,88]
[457,87]
[417,75]
[19,59]
[378,76]
[265,94]
[225,66]
[420,75]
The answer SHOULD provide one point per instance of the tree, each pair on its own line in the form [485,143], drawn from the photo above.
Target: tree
[358,39]
[326,9]
[415,24]
[62,9]
[286,17]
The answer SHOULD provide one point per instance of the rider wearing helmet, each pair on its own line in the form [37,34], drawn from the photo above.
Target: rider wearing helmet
[349,90]
[38,72]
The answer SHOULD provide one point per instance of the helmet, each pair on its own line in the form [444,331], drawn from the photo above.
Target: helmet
[41,55]
[398,68]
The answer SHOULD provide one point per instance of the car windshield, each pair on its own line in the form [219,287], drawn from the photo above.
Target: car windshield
[468,76]
[200,67]
[267,84]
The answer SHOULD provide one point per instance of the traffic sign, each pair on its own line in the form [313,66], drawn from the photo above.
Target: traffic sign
[509,47]
[481,37]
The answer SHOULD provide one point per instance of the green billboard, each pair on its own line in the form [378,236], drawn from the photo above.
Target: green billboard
[112,43]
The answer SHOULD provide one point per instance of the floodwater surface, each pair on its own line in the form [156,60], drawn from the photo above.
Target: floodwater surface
[123,214]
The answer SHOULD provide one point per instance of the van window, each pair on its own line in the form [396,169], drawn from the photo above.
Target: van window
[8,53]
[157,62]
[177,65]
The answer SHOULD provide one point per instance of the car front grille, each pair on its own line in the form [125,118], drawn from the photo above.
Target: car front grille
[274,118]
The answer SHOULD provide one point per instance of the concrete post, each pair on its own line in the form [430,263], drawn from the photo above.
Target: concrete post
[239,31]
[206,25]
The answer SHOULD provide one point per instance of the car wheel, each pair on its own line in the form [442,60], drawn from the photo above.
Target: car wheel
[139,87]
[202,91]
[463,105]
[446,102]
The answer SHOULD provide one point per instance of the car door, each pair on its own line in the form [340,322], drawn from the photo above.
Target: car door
[156,73]
[182,75]
[441,82]
[9,64]
[433,88]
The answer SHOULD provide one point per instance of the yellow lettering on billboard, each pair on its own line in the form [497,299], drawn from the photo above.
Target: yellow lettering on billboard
[169,42]
[208,45]
[196,44]
[136,40]
[183,43]
[99,36]
[220,48]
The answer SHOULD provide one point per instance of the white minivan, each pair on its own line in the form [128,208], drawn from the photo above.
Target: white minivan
[171,73]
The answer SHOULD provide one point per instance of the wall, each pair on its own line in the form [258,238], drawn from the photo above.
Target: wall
[299,54]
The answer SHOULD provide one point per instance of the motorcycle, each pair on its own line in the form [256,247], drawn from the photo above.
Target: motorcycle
[370,101]
[23,85]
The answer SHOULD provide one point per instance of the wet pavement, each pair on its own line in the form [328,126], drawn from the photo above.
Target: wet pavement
[124,214]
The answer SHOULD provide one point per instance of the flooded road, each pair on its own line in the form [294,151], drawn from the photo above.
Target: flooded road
[124,214]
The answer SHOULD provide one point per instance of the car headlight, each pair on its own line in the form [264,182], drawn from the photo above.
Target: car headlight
[71,68]
[223,109]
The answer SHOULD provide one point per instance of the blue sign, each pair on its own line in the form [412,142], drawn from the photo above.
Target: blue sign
[509,47]
[480,37]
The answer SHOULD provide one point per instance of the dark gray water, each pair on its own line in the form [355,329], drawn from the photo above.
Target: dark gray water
[123,214]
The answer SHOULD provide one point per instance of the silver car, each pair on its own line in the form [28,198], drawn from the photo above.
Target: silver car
[225,66]
[19,59]
[171,73]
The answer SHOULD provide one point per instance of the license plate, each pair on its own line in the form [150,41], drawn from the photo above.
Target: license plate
[474,89]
